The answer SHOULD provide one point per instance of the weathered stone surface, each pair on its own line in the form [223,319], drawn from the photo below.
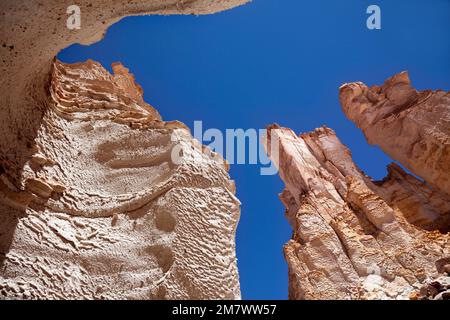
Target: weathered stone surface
[413,127]
[33,32]
[103,212]
[437,289]
[354,238]
[91,204]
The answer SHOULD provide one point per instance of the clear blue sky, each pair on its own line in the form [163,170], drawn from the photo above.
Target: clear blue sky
[276,61]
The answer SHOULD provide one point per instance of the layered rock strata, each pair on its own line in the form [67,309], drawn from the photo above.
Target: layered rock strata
[355,238]
[92,204]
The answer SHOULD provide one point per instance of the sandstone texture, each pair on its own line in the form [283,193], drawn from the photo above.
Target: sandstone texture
[412,127]
[437,289]
[92,205]
[355,238]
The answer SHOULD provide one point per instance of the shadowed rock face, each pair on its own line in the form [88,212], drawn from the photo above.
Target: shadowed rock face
[92,205]
[359,239]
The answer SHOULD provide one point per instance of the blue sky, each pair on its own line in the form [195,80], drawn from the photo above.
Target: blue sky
[276,61]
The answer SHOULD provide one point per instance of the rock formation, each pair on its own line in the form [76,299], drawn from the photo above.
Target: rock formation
[92,205]
[412,127]
[355,238]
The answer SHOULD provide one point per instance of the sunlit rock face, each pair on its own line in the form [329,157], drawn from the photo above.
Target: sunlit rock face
[102,211]
[92,205]
[412,127]
[355,238]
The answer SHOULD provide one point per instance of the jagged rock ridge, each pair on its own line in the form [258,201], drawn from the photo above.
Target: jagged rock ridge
[354,238]
[92,205]
[103,212]
[412,127]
